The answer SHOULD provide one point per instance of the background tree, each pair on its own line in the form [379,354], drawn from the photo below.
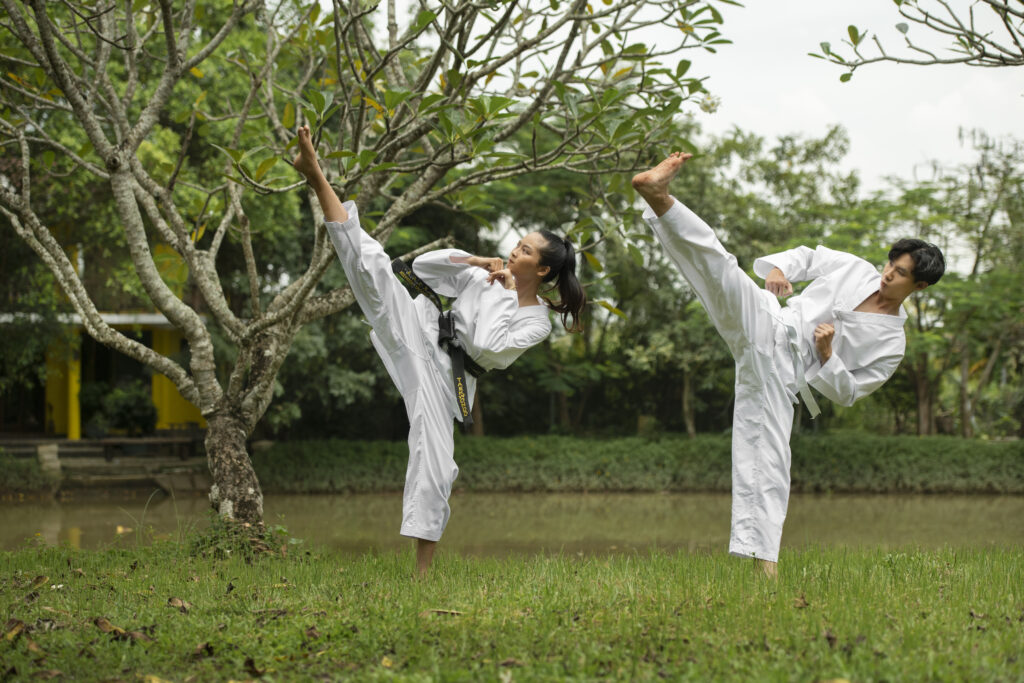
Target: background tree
[407,114]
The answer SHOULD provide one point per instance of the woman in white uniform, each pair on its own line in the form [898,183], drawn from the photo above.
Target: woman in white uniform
[497,312]
[843,335]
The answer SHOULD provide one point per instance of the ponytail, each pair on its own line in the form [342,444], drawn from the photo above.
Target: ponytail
[560,257]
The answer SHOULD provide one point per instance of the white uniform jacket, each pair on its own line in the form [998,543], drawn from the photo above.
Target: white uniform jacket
[490,323]
[866,348]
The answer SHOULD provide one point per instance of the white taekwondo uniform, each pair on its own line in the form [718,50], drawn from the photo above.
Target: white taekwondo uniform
[492,326]
[775,356]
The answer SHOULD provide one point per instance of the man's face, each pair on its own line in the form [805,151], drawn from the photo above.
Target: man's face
[898,280]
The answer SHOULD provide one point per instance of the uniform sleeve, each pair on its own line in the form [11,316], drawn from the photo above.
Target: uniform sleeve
[441,274]
[499,337]
[802,263]
[844,386]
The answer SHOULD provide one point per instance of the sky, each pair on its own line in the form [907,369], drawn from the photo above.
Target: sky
[899,117]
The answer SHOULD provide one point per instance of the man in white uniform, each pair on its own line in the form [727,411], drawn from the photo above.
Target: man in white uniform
[843,335]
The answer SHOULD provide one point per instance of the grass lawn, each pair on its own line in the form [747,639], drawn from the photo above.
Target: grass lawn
[170,612]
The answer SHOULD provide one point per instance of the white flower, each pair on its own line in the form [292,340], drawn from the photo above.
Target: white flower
[710,103]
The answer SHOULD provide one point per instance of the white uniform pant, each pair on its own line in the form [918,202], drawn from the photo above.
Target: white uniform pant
[746,317]
[407,343]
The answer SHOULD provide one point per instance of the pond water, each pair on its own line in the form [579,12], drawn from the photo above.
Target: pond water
[498,524]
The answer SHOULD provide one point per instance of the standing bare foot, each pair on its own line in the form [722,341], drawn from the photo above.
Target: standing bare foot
[305,162]
[424,555]
[652,185]
[769,569]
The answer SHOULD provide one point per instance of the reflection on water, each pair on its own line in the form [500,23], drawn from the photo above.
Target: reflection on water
[495,524]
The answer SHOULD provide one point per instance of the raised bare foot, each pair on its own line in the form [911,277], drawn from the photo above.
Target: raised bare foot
[653,184]
[305,162]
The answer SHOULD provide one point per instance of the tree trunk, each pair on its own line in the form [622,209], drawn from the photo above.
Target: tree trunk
[688,418]
[235,493]
[925,419]
[563,412]
[477,428]
[966,430]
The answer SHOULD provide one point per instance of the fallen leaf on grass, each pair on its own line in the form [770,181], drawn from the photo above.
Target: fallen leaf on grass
[46,625]
[103,624]
[312,633]
[386,662]
[40,580]
[202,650]
[78,571]
[13,628]
[61,612]
[118,633]
[33,647]
[450,612]
[250,668]
[800,602]
[179,604]
[977,615]
[831,638]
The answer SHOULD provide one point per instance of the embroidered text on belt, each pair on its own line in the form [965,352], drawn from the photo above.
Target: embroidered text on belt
[447,339]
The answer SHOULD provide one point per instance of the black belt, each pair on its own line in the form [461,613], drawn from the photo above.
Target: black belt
[447,338]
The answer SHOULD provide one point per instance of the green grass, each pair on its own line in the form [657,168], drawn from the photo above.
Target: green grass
[859,615]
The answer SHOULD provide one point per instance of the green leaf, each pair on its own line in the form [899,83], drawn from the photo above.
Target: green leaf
[593,261]
[366,156]
[845,77]
[288,118]
[423,19]
[235,154]
[826,48]
[383,167]
[340,154]
[902,27]
[264,166]
[316,99]
[682,67]
[48,158]
[853,33]
[605,304]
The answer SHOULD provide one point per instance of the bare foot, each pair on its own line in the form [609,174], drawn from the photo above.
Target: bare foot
[305,162]
[424,555]
[653,184]
[769,569]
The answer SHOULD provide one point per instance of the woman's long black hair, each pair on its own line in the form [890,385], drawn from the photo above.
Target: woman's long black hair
[560,257]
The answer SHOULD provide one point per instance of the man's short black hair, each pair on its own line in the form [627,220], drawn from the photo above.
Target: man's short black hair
[929,265]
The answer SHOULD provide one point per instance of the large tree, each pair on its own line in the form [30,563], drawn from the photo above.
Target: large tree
[987,33]
[408,113]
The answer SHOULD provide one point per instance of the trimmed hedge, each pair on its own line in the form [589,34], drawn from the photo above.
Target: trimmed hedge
[837,462]
[22,475]
[843,462]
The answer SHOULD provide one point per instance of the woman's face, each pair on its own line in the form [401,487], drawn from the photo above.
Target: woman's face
[524,261]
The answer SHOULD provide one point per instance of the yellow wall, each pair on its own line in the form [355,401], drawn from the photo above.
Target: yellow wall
[63,383]
[56,394]
[171,407]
